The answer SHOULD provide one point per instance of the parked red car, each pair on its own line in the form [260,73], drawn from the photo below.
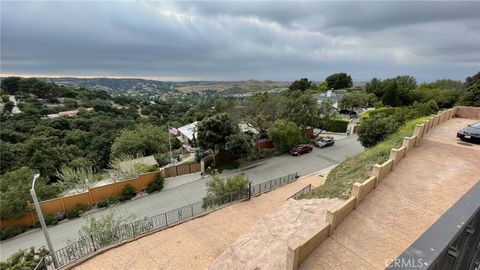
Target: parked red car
[301,149]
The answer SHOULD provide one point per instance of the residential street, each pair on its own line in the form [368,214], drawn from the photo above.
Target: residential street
[184,190]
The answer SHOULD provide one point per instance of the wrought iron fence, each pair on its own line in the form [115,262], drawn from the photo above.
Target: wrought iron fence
[42,264]
[300,192]
[85,246]
[272,184]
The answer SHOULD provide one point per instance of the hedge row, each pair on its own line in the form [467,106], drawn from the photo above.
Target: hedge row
[385,110]
[338,125]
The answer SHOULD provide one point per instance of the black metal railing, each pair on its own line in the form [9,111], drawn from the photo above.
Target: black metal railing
[452,242]
[273,184]
[42,264]
[299,193]
[85,246]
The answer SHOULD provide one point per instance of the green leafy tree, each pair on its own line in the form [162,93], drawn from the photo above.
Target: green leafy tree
[144,138]
[446,84]
[9,85]
[326,112]
[319,87]
[70,103]
[374,87]
[339,81]
[471,94]
[355,100]
[212,132]
[391,96]
[220,105]
[8,107]
[302,110]
[262,110]
[284,134]
[15,192]
[445,98]
[301,85]
[375,129]
[239,145]
[398,91]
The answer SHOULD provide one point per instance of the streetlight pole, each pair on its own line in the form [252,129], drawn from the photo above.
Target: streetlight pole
[42,221]
[170,142]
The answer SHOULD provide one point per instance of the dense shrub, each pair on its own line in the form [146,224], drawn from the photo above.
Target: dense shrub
[220,191]
[107,202]
[103,203]
[114,199]
[379,125]
[26,259]
[364,116]
[227,166]
[337,125]
[386,110]
[128,192]
[76,211]
[162,159]
[11,231]
[156,184]
[49,220]
[144,168]
[375,129]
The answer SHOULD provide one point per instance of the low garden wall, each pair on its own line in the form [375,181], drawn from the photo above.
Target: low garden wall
[299,250]
[361,190]
[468,112]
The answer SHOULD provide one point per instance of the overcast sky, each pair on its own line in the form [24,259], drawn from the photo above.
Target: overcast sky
[241,40]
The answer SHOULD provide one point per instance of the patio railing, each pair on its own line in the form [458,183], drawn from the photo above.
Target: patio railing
[301,192]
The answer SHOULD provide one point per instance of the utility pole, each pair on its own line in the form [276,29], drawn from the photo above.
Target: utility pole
[170,142]
[42,221]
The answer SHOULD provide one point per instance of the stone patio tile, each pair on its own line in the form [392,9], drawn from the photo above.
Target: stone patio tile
[371,240]
[396,211]
[333,256]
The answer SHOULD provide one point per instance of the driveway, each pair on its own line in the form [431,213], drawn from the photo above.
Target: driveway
[185,190]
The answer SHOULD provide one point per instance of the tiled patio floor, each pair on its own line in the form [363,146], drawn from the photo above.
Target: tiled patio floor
[196,243]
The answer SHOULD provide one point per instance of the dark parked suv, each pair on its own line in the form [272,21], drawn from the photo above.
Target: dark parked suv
[301,149]
[325,143]
[471,133]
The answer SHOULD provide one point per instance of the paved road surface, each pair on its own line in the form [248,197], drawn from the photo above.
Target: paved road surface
[190,189]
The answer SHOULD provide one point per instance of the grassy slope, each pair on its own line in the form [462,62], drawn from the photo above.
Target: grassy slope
[358,168]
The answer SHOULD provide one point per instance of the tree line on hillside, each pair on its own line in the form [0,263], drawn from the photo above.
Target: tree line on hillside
[89,144]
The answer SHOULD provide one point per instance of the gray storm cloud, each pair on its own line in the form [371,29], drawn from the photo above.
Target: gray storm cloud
[241,40]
